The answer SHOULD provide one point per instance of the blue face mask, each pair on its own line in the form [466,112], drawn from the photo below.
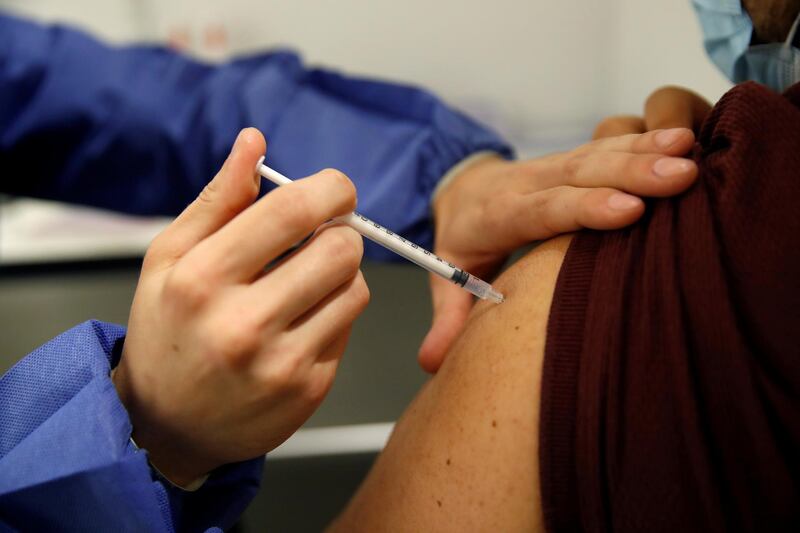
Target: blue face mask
[727,31]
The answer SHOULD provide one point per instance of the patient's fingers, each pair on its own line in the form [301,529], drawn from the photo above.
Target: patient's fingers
[675,107]
[564,209]
[646,174]
[667,108]
[619,125]
[451,307]
[675,141]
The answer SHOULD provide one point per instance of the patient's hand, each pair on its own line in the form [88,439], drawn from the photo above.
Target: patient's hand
[667,107]
[496,206]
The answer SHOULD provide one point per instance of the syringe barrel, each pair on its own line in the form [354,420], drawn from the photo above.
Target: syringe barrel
[401,246]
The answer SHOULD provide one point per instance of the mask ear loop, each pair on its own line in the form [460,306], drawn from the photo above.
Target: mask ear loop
[790,40]
[791,68]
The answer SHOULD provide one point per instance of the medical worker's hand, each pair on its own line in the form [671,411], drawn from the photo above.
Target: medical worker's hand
[496,206]
[667,107]
[223,361]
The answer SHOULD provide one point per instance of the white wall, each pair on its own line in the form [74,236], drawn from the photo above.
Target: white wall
[113,20]
[497,59]
[543,72]
[656,43]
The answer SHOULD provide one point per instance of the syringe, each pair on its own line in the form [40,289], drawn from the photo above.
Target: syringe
[401,246]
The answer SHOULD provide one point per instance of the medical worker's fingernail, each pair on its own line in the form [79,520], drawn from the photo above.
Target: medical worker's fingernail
[667,167]
[623,202]
[667,138]
[238,142]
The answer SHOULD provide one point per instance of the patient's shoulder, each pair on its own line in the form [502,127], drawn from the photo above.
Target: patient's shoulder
[528,287]
[546,259]
[464,456]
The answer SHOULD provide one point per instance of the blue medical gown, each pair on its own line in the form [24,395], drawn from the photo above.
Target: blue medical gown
[141,130]
[66,460]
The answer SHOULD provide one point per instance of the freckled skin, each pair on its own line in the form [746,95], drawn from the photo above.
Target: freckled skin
[450,444]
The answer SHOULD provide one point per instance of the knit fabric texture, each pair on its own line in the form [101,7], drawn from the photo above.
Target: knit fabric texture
[671,385]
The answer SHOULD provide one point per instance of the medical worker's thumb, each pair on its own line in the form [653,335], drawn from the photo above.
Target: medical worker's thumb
[233,189]
[451,306]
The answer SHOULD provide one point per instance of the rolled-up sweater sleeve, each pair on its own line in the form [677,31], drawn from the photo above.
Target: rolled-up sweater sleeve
[669,397]
[66,460]
[141,129]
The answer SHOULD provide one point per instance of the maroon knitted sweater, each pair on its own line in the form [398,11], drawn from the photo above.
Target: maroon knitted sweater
[671,388]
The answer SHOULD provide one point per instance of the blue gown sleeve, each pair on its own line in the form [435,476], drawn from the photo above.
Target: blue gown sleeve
[141,129]
[66,461]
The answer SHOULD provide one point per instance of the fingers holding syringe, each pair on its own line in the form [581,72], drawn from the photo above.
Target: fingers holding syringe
[330,259]
[239,251]
[319,336]
[232,190]
[317,371]
[322,325]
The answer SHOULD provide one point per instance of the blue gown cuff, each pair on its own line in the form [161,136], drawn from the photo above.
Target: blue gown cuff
[66,461]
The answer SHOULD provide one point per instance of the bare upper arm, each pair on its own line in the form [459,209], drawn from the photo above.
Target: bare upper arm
[464,456]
